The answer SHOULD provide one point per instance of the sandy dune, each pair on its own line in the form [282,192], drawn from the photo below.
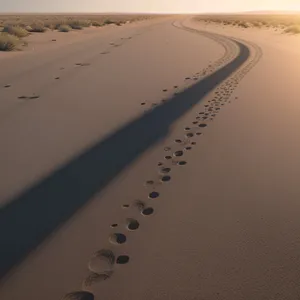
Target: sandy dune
[162,163]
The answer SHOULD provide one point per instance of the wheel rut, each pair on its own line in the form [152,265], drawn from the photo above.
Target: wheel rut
[102,262]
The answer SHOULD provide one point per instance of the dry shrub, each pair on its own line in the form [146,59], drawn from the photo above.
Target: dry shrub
[8,42]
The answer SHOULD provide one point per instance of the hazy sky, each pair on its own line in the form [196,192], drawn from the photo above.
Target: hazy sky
[185,6]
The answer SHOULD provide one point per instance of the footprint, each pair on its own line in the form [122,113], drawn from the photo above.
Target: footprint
[122,259]
[153,195]
[167,148]
[114,225]
[139,205]
[178,141]
[125,205]
[182,163]
[102,262]
[202,125]
[7,86]
[143,103]
[56,78]
[142,208]
[80,295]
[132,224]
[149,182]
[178,153]
[147,211]
[105,52]
[166,178]
[165,170]
[174,162]
[168,157]
[29,97]
[118,238]
[94,278]
[165,90]
[82,64]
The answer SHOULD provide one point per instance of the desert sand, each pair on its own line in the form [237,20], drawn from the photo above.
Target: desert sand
[158,160]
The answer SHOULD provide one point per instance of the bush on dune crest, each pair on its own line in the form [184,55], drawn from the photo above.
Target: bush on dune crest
[8,42]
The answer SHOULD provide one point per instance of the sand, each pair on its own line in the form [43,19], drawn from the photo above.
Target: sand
[166,168]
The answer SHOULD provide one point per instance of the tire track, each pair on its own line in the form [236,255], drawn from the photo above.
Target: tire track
[62,196]
[101,264]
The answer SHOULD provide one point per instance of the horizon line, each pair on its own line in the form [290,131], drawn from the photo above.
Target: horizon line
[156,13]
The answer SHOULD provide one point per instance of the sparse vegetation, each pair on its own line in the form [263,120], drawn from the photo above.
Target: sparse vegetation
[284,23]
[293,29]
[38,27]
[28,28]
[119,23]
[108,22]
[8,42]
[40,23]
[257,24]
[97,24]
[50,26]
[16,31]
[79,24]
[64,28]
[15,27]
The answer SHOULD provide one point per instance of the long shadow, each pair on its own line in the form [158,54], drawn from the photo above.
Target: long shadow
[28,219]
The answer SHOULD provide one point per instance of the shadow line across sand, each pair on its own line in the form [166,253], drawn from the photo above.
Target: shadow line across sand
[28,219]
